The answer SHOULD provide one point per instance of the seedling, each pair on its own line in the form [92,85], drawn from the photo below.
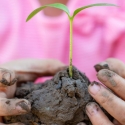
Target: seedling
[71,17]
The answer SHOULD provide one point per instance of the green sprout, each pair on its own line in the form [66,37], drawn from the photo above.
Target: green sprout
[71,17]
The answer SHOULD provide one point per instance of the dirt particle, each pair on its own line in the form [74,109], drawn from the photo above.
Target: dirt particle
[24,106]
[8,102]
[109,73]
[113,83]
[98,67]
[94,82]
[110,76]
[106,96]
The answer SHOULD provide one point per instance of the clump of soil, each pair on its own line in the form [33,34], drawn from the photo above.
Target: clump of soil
[59,101]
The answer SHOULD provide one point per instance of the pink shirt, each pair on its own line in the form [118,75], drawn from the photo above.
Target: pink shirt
[98,33]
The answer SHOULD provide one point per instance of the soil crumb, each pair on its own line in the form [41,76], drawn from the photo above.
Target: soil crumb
[59,101]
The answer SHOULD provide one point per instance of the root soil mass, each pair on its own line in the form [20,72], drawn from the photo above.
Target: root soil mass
[59,101]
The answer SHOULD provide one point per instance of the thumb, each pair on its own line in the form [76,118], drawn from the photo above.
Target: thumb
[30,69]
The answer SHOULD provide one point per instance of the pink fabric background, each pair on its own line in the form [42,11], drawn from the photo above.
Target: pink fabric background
[98,33]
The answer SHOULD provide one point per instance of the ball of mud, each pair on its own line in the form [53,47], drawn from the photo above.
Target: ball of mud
[59,101]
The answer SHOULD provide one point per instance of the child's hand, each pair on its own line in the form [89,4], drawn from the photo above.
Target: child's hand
[113,100]
[23,70]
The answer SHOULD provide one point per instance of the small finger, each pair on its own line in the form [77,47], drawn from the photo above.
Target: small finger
[114,65]
[113,81]
[110,102]
[14,106]
[94,112]
[7,77]
[19,123]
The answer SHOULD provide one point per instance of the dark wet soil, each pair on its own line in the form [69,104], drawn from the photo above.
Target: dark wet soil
[59,101]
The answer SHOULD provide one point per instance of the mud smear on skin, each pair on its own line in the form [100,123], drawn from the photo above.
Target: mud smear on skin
[110,75]
[24,106]
[59,101]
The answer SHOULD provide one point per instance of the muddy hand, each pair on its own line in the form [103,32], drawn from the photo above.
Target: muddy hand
[7,90]
[21,71]
[112,64]
[111,97]
[30,69]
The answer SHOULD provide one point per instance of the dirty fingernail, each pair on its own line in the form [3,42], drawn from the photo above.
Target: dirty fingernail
[14,81]
[94,87]
[102,65]
[102,75]
[4,81]
[107,75]
[23,107]
[92,108]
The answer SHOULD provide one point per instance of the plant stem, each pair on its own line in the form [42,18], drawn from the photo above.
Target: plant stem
[70,51]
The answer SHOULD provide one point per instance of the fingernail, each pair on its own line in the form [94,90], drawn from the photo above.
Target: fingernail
[6,78]
[92,108]
[102,76]
[23,107]
[102,65]
[107,75]
[14,81]
[4,82]
[94,87]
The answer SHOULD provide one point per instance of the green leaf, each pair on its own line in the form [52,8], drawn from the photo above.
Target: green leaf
[55,5]
[91,5]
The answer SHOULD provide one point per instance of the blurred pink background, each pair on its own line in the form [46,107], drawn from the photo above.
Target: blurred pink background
[98,33]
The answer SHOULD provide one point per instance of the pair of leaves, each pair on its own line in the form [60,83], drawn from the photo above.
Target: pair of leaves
[65,9]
